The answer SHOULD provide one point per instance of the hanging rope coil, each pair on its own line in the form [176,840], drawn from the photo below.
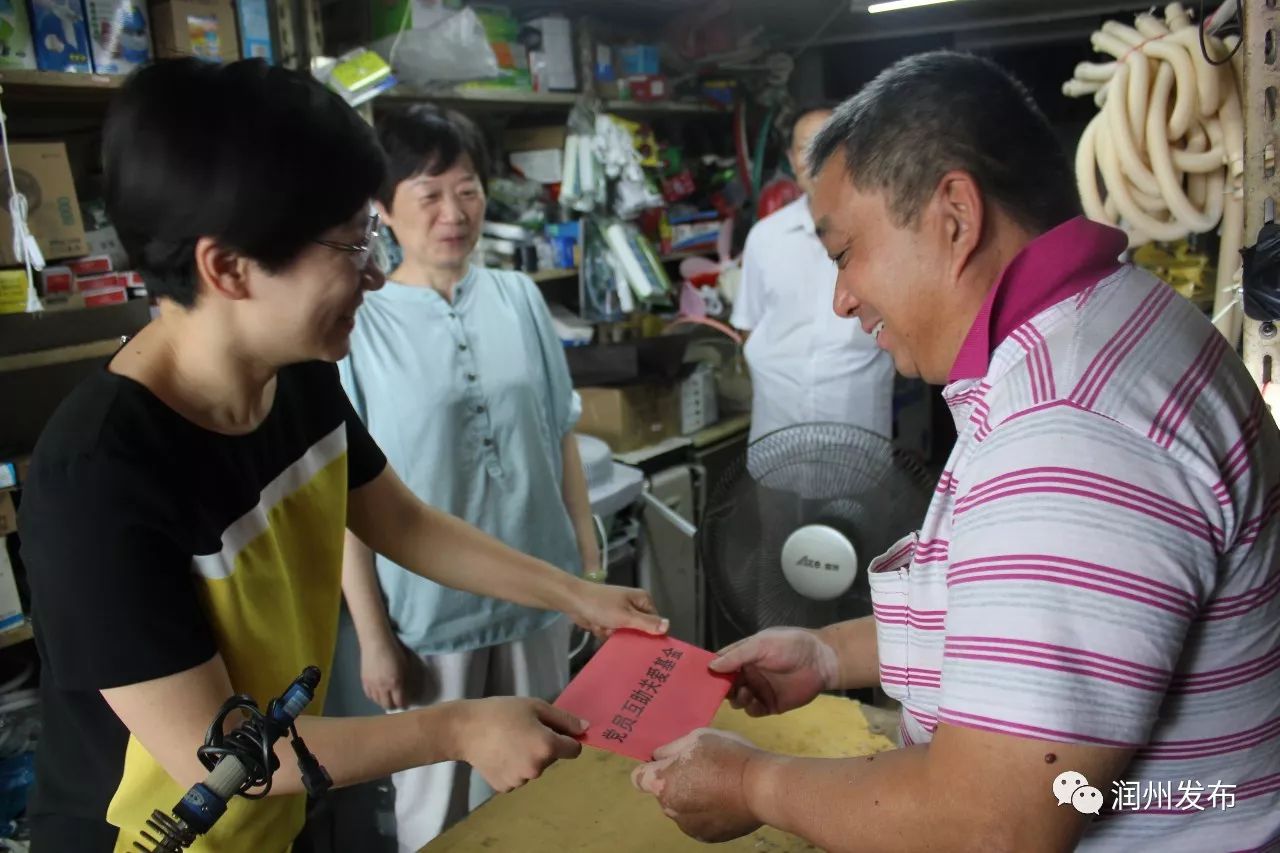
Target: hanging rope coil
[1164,156]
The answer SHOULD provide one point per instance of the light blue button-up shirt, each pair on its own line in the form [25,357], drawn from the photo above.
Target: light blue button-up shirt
[470,401]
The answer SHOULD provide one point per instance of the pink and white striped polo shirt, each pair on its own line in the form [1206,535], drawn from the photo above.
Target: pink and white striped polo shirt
[1101,561]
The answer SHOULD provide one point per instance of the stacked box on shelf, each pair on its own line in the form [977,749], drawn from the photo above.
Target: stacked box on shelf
[255,30]
[42,172]
[205,29]
[641,74]
[10,604]
[60,35]
[8,514]
[119,35]
[17,50]
[698,406]
[14,288]
[631,417]
[89,282]
[552,66]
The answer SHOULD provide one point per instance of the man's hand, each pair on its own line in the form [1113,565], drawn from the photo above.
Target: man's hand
[511,740]
[781,669]
[603,609]
[700,782]
[386,668]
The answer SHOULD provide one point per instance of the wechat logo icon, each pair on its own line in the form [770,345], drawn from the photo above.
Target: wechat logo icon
[1071,788]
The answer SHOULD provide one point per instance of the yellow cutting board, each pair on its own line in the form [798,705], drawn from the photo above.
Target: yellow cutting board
[588,805]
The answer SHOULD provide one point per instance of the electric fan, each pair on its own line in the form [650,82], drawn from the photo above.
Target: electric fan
[789,530]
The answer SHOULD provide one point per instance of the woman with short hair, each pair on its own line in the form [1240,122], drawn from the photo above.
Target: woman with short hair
[183,520]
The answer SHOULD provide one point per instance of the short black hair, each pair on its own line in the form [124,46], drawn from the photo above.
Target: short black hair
[427,140]
[934,112]
[821,105]
[260,158]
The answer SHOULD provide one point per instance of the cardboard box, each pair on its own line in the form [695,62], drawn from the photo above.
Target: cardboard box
[58,282]
[255,30]
[60,36]
[553,66]
[105,241]
[101,296]
[698,405]
[637,60]
[90,265]
[42,173]
[535,138]
[645,88]
[135,283]
[13,291]
[98,290]
[630,418]
[85,283]
[8,514]
[537,152]
[16,48]
[119,35]
[201,28]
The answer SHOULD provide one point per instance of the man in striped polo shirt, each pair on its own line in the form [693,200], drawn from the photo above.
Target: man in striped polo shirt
[1089,618]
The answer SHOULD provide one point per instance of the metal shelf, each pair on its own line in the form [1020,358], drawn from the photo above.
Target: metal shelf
[59,79]
[519,100]
[554,274]
[45,83]
[572,272]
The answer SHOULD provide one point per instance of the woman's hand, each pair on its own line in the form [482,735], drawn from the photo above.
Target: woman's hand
[603,609]
[385,668]
[510,740]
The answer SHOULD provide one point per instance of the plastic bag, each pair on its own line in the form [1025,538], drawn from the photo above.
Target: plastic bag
[451,48]
[1262,275]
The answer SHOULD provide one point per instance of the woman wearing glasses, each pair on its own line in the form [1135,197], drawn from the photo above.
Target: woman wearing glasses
[458,374]
[184,517]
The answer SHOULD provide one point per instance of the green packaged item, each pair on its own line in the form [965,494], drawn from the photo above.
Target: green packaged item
[16,49]
[387,17]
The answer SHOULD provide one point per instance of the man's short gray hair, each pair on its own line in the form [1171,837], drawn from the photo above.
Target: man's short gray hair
[933,113]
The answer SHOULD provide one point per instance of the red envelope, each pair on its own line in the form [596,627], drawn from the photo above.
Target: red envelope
[640,692]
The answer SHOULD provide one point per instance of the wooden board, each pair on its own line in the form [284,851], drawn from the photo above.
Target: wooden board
[588,805]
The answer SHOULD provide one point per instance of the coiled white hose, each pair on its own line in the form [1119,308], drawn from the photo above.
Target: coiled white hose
[1168,142]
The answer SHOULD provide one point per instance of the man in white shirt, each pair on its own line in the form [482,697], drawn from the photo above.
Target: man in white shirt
[807,364]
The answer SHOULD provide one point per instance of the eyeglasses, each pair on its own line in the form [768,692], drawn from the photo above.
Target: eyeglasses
[360,251]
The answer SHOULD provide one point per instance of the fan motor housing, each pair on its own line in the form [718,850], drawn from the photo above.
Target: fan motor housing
[819,562]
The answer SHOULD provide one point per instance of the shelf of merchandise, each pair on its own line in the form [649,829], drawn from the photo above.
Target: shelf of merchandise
[572,272]
[517,100]
[58,79]
[19,633]
[54,83]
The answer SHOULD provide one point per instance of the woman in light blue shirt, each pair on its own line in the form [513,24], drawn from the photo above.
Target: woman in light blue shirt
[459,376]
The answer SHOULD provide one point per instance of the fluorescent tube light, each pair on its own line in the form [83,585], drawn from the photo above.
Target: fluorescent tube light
[895,5]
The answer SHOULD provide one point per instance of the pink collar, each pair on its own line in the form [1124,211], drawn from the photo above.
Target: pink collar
[1057,265]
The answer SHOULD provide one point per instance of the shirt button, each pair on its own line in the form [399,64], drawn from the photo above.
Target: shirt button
[471,377]
[452,316]
[479,410]
[462,347]
[488,442]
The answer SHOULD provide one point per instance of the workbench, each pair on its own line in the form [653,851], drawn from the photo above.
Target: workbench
[589,806]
